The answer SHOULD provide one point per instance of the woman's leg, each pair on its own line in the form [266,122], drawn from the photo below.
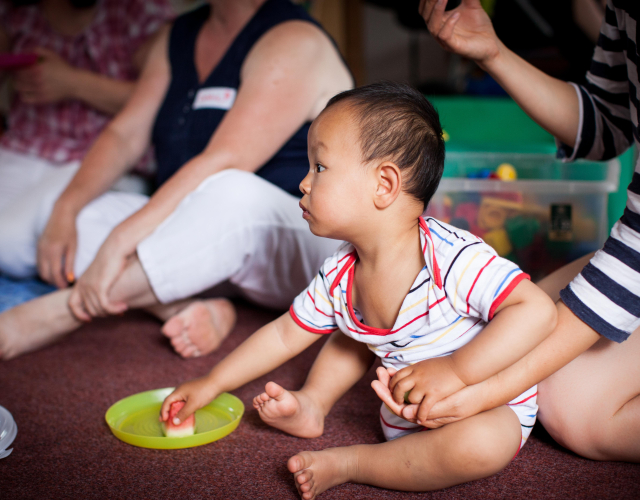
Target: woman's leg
[470,449]
[238,227]
[592,405]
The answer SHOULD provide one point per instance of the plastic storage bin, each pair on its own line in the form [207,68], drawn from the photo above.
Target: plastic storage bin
[552,214]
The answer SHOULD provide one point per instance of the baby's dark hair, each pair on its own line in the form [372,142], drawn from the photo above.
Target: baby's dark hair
[399,124]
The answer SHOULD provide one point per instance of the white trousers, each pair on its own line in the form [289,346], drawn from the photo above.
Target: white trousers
[29,187]
[235,226]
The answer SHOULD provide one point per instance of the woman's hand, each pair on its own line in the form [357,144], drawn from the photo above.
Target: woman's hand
[50,80]
[459,405]
[425,383]
[465,30]
[57,249]
[90,295]
[195,394]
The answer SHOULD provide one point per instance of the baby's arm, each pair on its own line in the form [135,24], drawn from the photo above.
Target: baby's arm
[523,320]
[269,347]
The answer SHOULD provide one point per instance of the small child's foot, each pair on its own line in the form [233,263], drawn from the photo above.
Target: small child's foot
[317,471]
[200,328]
[292,412]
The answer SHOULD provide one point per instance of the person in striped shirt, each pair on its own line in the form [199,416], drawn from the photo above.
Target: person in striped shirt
[430,300]
[591,405]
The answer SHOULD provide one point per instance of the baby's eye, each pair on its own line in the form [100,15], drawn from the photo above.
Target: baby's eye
[319,167]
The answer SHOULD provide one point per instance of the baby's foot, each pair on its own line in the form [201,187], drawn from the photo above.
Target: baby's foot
[317,471]
[36,323]
[200,328]
[292,412]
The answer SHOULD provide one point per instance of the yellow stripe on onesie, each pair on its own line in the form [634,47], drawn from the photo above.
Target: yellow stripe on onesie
[451,300]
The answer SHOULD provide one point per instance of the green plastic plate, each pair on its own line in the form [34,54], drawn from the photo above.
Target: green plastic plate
[134,420]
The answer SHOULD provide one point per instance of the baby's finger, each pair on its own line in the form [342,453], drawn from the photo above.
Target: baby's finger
[398,376]
[186,411]
[401,388]
[385,395]
[166,404]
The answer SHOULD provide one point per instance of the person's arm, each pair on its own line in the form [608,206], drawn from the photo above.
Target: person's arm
[119,146]
[265,350]
[522,321]
[284,84]
[467,30]
[570,338]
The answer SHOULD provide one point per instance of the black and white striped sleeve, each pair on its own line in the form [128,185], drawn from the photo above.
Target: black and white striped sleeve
[606,294]
[608,99]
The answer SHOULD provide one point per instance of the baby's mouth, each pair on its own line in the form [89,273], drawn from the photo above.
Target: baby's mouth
[305,212]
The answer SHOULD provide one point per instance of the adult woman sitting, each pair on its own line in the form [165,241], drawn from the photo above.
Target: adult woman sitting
[591,405]
[228,91]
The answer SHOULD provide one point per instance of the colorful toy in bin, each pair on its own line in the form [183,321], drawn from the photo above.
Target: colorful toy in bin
[506,172]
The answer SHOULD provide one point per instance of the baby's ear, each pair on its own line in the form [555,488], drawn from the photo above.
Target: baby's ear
[389,184]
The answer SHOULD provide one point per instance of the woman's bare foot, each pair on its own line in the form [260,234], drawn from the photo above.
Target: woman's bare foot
[317,471]
[292,412]
[36,323]
[200,328]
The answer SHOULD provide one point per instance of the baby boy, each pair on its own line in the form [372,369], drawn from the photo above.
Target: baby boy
[430,300]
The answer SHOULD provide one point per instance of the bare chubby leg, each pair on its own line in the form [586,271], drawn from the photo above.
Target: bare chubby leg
[592,405]
[463,451]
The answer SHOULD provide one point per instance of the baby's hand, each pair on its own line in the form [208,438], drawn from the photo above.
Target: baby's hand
[381,386]
[426,383]
[195,394]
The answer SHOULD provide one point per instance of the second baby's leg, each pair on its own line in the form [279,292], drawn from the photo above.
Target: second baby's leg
[340,364]
[470,449]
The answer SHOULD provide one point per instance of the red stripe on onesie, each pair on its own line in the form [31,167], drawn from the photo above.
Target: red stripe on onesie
[475,280]
[505,293]
[299,322]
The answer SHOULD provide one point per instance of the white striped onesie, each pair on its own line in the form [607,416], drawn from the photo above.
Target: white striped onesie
[606,294]
[453,297]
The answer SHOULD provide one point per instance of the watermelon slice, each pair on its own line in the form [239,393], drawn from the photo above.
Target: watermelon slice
[186,428]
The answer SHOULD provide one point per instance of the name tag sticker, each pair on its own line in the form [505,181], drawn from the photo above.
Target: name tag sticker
[215,98]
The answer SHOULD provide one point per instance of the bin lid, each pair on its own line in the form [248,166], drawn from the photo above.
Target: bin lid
[495,124]
[8,432]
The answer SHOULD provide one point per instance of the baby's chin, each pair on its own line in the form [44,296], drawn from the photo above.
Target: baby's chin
[322,232]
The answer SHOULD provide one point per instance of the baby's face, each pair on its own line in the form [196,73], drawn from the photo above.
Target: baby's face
[336,187]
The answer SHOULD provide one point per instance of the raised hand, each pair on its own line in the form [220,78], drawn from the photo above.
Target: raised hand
[465,30]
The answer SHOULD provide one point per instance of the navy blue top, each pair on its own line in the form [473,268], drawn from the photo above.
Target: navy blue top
[181,132]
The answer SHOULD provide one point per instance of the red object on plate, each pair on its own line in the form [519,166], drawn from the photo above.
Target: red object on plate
[186,428]
[17,61]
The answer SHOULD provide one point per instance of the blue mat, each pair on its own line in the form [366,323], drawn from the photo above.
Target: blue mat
[14,292]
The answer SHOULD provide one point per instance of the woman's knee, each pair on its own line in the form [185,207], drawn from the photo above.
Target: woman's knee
[17,247]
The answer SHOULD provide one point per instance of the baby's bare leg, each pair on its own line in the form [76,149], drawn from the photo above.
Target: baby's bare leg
[340,364]
[470,449]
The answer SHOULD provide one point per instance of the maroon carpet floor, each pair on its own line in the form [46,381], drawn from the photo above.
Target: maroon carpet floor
[64,449]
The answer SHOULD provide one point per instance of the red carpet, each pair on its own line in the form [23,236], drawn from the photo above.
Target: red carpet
[64,449]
